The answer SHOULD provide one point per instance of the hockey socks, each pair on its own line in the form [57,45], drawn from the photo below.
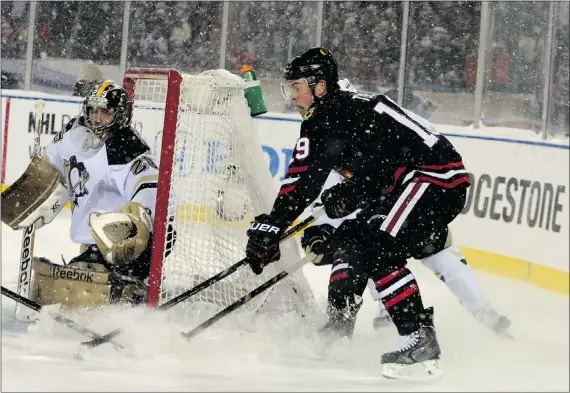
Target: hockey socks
[344,297]
[401,297]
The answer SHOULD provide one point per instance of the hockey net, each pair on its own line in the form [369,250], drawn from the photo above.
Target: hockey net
[214,179]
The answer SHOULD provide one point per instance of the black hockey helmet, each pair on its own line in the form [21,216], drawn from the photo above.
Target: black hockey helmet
[315,64]
[114,100]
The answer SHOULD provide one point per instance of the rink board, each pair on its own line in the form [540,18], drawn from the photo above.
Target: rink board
[515,223]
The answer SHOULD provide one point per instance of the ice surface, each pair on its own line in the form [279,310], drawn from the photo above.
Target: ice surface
[273,354]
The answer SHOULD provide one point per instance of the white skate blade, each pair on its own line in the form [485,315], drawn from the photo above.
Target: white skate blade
[422,371]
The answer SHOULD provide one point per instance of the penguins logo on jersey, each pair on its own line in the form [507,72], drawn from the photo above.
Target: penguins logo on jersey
[77,177]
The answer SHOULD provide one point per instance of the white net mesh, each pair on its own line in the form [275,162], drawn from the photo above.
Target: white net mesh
[220,181]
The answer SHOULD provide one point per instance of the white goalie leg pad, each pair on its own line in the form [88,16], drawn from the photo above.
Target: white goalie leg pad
[36,197]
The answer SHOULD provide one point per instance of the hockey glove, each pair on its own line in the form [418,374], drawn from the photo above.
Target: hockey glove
[121,237]
[316,239]
[340,200]
[263,244]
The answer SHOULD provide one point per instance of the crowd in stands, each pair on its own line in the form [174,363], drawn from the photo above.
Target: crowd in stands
[365,37]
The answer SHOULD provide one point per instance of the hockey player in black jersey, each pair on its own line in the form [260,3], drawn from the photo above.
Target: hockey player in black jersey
[408,180]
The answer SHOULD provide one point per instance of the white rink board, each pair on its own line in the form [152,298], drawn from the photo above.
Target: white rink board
[504,215]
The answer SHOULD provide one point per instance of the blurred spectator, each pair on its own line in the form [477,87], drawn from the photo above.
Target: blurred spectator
[501,72]
[88,76]
[364,36]
[10,46]
[9,80]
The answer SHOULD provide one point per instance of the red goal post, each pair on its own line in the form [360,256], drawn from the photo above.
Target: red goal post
[174,80]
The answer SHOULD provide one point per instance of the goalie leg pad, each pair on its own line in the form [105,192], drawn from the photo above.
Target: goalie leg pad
[79,285]
[36,197]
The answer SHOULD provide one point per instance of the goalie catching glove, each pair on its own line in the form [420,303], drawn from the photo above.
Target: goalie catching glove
[263,244]
[121,237]
[316,239]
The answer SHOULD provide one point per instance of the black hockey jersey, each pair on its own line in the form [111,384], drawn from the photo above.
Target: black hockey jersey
[370,140]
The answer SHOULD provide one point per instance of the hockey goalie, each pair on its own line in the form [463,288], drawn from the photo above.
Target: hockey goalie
[102,167]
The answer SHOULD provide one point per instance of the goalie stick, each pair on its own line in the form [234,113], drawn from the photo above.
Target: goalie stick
[211,281]
[29,233]
[33,306]
[238,303]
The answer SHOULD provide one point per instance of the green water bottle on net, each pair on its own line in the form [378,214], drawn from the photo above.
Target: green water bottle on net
[253,93]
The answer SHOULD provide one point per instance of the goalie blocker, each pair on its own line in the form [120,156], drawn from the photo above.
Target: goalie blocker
[35,198]
[110,271]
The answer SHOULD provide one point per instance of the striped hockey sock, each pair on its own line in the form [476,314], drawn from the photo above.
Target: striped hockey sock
[401,296]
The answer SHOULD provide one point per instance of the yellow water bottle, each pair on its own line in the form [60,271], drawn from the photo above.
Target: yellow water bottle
[253,93]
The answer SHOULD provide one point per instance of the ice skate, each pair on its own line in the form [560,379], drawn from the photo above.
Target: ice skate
[382,319]
[337,328]
[501,327]
[419,348]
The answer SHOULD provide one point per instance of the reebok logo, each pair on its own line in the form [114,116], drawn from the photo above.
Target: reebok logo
[263,228]
[71,274]
[25,261]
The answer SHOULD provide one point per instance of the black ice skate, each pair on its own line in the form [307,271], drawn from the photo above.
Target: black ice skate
[420,348]
[334,338]
[338,327]
[341,321]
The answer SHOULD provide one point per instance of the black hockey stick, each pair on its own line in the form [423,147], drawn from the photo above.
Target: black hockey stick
[56,317]
[238,303]
[209,282]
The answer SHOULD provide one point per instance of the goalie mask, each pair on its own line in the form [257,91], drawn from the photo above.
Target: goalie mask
[106,108]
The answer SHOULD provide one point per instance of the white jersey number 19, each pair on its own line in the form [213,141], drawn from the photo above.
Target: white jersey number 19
[429,138]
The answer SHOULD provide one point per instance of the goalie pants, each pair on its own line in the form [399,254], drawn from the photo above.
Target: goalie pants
[411,223]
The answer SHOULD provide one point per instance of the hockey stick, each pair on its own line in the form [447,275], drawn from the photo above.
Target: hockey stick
[238,303]
[211,281]
[29,233]
[31,305]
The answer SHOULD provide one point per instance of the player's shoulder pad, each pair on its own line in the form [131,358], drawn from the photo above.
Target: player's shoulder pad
[72,123]
[124,146]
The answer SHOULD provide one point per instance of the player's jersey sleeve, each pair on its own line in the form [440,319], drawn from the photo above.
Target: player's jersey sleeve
[137,181]
[316,153]
[53,151]
[53,155]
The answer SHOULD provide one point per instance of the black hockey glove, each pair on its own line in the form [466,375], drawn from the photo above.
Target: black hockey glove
[263,244]
[316,239]
[340,200]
